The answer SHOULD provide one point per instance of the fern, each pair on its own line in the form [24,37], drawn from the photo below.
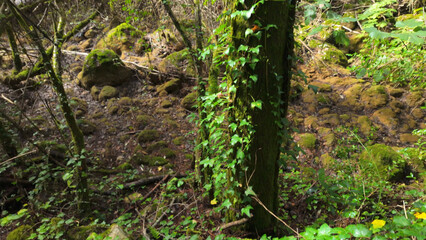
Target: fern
[154,232]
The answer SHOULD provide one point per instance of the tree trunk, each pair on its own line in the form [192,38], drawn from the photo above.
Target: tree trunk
[17,63]
[272,89]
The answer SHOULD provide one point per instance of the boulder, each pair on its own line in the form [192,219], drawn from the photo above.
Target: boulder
[103,67]
[189,101]
[123,38]
[307,141]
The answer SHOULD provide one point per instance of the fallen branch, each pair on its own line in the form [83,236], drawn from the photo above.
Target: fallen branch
[232,224]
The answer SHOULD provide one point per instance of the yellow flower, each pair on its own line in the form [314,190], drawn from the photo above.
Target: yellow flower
[420,215]
[213,202]
[378,223]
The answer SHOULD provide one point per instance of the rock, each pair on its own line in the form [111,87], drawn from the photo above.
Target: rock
[383,163]
[170,86]
[103,67]
[396,106]
[326,160]
[415,99]
[94,92]
[323,111]
[408,138]
[82,232]
[123,38]
[396,92]
[331,120]
[125,101]
[79,106]
[167,153]
[307,141]
[352,96]
[418,113]
[155,146]
[322,87]
[331,54]
[112,107]
[329,139]
[356,42]
[86,126]
[386,117]
[364,124]
[177,62]
[20,233]
[153,161]
[375,97]
[166,103]
[310,122]
[124,166]
[85,45]
[143,120]
[148,136]
[108,92]
[189,101]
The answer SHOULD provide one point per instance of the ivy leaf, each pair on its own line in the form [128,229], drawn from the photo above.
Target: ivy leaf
[249,191]
[324,230]
[359,230]
[235,139]
[243,48]
[257,104]
[309,233]
[226,204]
[244,123]
[253,77]
[240,154]
[233,126]
[246,210]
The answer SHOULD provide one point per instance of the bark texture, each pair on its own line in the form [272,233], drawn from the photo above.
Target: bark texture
[272,88]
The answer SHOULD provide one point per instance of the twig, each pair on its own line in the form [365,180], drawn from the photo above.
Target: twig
[153,189]
[21,155]
[276,217]
[232,224]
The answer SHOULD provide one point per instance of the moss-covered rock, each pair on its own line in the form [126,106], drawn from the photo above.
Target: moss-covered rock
[123,38]
[177,62]
[170,86]
[382,162]
[331,120]
[310,122]
[352,96]
[189,101]
[112,106]
[148,136]
[79,106]
[94,92]
[153,161]
[103,67]
[167,153]
[86,126]
[326,160]
[408,138]
[143,120]
[156,146]
[82,232]
[178,140]
[364,125]
[125,101]
[21,233]
[396,92]
[415,99]
[386,117]
[307,141]
[166,103]
[124,166]
[374,97]
[418,113]
[108,92]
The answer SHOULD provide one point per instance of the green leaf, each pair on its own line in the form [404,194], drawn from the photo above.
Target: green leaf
[377,34]
[253,77]
[246,210]
[401,221]
[257,104]
[226,204]
[240,154]
[340,37]
[249,191]
[315,30]
[324,230]
[235,139]
[309,233]
[410,23]
[359,230]
[314,88]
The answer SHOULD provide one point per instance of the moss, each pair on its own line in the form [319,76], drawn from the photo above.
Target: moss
[79,106]
[180,61]
[125,101]
[21,233]
[333,55]
[103,67]
[147,136]
[124,166]
[396,92]
[86,126]
[167,153]
[310,122]
[331,119]
[121,39]
[364,124]
[112,107]
[172,123]
[189,101]
[374,97]
[382,162]
[143,120]
[415,99]
[82,232]
[170,86]
[329,139]
[326,160]
[94,92]
[166,103]
[418,113]
[352,96]
[386,117]
[307,140]
[408,138]
[153,161]
[155,146]
[108,92]
[189,156]
[178,140]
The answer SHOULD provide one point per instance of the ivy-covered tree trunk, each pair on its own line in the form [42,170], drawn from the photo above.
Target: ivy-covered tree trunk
[262,97]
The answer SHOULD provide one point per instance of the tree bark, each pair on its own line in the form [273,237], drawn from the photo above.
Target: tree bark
[272,89]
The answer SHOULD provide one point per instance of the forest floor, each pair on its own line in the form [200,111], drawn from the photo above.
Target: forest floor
[342,105]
